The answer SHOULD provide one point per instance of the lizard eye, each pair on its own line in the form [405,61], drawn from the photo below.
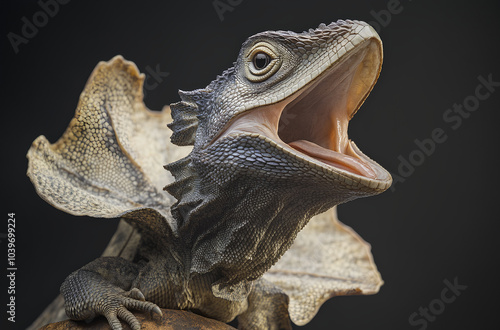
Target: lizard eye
[262,62]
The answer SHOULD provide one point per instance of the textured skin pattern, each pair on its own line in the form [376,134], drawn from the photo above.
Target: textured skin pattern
[234,207]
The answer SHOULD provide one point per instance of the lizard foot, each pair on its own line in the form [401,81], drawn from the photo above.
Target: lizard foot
[116,306]
[98,289]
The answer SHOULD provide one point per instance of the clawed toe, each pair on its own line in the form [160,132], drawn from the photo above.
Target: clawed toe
[123,303]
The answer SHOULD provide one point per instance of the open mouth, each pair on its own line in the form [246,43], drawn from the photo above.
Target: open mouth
[312,122]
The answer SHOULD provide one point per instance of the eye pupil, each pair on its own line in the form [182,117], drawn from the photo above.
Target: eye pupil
[261,60]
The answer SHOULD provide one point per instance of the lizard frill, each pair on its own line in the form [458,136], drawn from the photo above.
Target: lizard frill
[109,161]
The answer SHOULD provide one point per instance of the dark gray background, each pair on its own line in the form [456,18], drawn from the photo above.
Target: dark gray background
[441,223]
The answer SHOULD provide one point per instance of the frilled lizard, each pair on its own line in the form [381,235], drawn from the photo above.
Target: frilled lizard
[270,152]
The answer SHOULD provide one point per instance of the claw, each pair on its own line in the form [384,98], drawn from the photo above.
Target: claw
[136,294]
[157,310]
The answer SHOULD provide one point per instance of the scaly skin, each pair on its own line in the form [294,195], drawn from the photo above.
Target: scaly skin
[253,180]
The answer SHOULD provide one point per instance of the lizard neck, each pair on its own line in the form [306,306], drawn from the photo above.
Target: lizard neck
[242,214]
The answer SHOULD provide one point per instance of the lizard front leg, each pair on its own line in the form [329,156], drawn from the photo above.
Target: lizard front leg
[104,287]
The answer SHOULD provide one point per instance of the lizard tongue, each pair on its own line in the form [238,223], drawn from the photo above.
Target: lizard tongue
[333,158]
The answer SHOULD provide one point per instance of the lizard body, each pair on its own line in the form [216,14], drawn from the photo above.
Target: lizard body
[269,152]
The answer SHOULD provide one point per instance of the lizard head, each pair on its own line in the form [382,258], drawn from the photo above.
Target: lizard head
[281,113]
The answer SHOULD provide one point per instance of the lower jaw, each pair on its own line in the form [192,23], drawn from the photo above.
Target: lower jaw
[335,159]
